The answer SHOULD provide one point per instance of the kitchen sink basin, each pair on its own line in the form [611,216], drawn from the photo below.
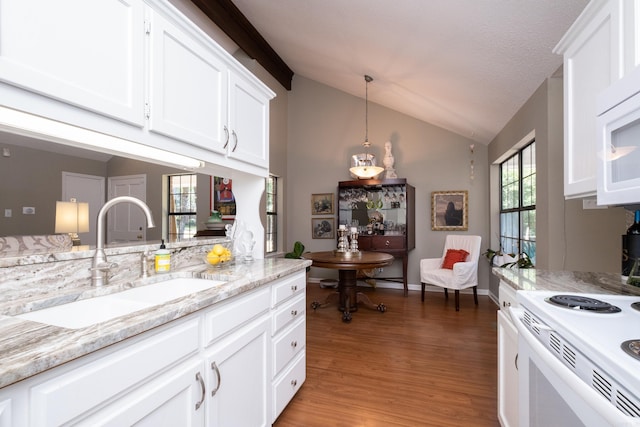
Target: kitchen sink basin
[83,313]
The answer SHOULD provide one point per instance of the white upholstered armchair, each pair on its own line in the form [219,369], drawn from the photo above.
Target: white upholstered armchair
[462,275]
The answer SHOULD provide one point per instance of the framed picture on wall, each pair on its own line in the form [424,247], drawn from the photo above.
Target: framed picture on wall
[323,228]
[222,198]
[322,204]
[449,210]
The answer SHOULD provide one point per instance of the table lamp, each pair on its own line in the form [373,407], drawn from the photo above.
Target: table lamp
[73,218]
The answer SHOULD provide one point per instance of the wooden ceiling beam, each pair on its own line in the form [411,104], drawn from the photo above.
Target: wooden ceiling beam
[228,17]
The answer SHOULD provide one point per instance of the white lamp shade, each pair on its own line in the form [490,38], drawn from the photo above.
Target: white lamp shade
[72,217]
[363,166]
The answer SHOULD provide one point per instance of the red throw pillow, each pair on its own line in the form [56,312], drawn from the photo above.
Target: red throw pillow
[453,256]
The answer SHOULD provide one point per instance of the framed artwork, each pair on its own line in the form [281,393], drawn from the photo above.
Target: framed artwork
[322,204]
[449,210]
[323,228]
[222,198]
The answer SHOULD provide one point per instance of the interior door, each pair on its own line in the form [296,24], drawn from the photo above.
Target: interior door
[126,222]
[85,188]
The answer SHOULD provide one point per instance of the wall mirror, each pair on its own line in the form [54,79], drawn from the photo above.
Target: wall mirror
[32,173]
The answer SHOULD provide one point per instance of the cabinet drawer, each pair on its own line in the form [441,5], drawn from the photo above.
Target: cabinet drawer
[387,242]
[289,312]
[288,345]
[288,287]
[288,384]
[233,313]
[67,396]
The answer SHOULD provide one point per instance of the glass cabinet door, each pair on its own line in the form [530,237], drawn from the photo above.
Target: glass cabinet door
[379,210]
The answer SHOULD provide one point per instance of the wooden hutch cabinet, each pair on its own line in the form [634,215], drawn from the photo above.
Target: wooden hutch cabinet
[384,212]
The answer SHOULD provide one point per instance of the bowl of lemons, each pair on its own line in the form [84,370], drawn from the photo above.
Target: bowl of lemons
[219,255]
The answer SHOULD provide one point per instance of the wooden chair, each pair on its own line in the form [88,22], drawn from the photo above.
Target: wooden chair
[463,275]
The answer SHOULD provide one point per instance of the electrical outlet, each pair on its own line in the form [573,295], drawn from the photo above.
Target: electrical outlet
[7,213]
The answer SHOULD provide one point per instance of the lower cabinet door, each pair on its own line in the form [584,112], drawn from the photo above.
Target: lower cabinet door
[507,371]
[238,377]
[176,398]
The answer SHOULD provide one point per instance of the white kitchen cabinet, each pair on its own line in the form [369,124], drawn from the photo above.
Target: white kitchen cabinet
[214,367]
[238,377]
[591,50]
[288,330]
[137,70]
[99,379]
[188,80]
[5,413]
[237,356]
[168,400]
[507,360]
[248,122]
[88,54]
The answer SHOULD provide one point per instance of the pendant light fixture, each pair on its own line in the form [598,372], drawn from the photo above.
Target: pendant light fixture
[363,165]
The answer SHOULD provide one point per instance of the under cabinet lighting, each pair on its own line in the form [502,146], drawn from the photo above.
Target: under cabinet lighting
[19,122]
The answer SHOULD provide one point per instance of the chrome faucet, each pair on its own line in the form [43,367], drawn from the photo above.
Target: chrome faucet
[100,266]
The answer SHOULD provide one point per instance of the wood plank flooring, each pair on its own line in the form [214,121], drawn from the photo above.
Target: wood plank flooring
[414,365]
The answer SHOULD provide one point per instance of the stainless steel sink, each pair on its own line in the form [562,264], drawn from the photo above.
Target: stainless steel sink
[83,313]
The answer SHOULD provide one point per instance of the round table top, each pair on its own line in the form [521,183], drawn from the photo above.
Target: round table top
[349,261]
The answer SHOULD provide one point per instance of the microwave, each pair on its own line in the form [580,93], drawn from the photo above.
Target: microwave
[618,142]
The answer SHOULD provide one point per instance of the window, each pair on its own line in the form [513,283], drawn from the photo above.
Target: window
[518,202]
[181,212]
[271,231]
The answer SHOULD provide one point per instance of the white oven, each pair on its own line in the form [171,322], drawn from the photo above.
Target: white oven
[572,368]
[618,150]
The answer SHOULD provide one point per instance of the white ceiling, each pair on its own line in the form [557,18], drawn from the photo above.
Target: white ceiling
[464,65]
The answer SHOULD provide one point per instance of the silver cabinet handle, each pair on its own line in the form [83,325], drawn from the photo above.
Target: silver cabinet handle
[215,369]
[235,139]
[294,344]
[294,288]
[387,243]
[201,381]
[226,139]
[294,383]
[516,361]
[294,312]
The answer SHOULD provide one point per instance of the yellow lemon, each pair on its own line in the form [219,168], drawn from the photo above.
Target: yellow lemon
[213,258]
[218,249]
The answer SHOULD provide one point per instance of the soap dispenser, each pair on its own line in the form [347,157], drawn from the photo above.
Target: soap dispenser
[162,259]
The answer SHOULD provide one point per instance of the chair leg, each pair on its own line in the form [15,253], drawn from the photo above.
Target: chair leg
[446,293]
[457,300]
[423,285]
[475,294]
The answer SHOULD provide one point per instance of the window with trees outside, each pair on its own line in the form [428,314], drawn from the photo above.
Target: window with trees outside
[271,229]
[181,212]
[518,203]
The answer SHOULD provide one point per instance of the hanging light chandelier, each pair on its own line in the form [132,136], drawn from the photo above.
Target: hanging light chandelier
[363,165]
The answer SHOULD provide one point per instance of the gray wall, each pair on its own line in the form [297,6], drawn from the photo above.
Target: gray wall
[327,126]
[568,237]
[32,178]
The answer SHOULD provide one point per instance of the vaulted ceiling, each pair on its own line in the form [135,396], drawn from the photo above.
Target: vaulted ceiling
[464,65]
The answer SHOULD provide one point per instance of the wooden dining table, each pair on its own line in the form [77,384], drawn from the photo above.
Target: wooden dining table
[348,264]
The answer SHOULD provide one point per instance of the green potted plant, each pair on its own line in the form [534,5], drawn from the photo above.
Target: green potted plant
[296,253]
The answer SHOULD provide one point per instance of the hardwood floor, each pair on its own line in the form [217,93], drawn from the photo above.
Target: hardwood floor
[414,365]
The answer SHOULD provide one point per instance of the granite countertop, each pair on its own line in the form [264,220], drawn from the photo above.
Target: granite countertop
[29,348]
[534,279]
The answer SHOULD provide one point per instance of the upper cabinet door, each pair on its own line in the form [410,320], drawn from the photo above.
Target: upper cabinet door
[248,122]
[188,88]
[591,64]
[85,53]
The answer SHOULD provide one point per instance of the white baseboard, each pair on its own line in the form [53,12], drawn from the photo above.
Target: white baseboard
[412,287]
